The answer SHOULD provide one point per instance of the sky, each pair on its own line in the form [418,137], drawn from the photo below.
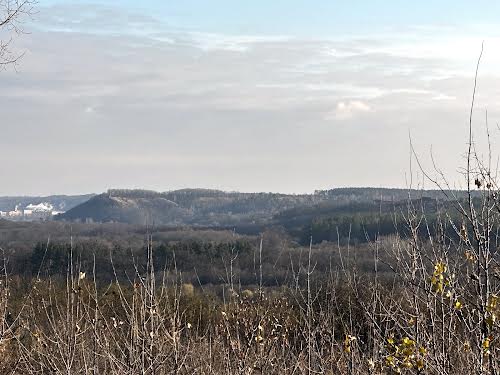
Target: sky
[284,96]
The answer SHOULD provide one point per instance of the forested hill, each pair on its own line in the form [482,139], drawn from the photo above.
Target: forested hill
[319,214]
[188,207]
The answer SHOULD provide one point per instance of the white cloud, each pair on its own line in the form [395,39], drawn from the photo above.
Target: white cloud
[443,97]
[214,97]
[241,43]
[348,109]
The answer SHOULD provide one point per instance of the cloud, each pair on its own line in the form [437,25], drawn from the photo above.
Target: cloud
[173,95]
[443,97]
[348,109]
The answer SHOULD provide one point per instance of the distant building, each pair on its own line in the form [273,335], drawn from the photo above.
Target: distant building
[16,214]
[42,211]
[32,212]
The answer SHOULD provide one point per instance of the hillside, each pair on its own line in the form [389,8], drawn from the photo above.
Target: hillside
[320,213]
[186,207]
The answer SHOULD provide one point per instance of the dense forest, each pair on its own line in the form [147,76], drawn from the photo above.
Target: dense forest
[203,255]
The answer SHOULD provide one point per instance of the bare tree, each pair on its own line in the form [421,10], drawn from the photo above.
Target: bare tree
[12,14]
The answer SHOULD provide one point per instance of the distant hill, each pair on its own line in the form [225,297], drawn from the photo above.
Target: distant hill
[186,207]
[215,208]
[59,202]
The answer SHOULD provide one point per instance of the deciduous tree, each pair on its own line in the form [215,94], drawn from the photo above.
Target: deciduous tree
[12,15]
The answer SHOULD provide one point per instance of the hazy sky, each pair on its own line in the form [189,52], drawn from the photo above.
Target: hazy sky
[259,95]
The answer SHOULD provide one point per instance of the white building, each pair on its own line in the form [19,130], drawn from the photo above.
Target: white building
[31,212]
[16,214]
[38,211]
[41,211]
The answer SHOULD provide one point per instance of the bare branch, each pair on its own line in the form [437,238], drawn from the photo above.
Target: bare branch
[12,15]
